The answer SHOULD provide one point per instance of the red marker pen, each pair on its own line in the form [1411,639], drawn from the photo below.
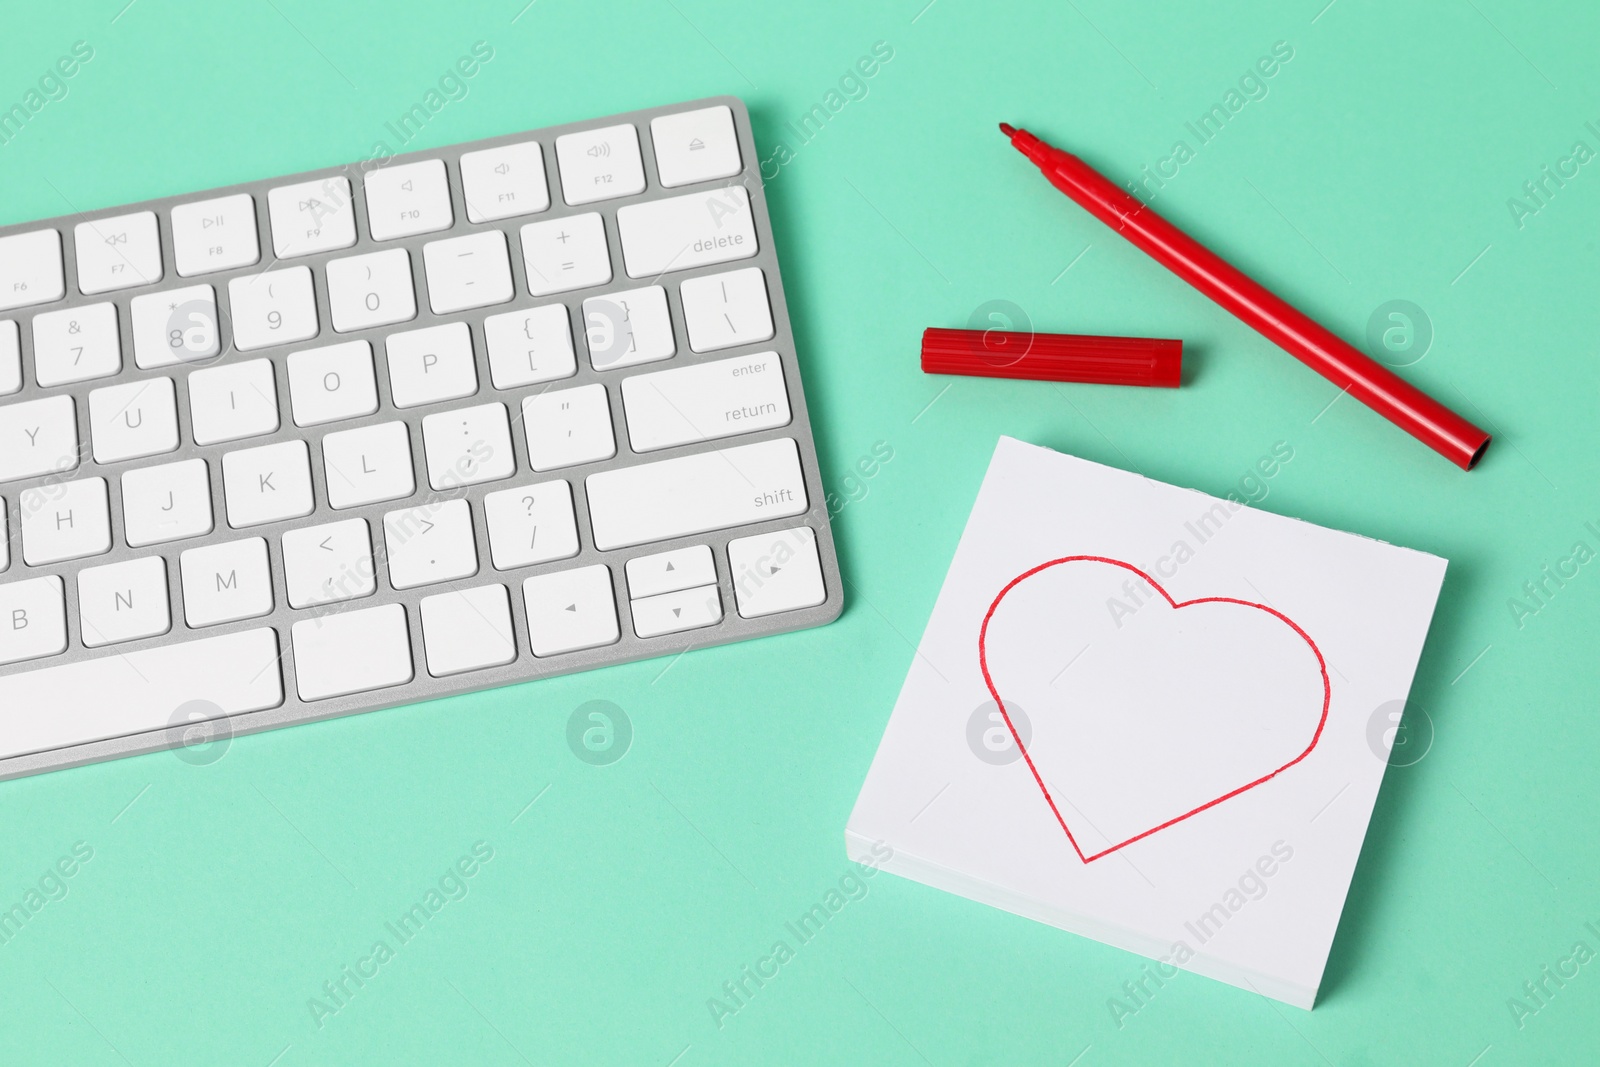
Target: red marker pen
[1274,318]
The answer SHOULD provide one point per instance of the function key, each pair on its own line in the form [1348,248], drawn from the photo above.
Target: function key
[600,164]
[499,183]
[695,146]
[311,217]
[118,253]
[213,235]
[30,269]
[409,199]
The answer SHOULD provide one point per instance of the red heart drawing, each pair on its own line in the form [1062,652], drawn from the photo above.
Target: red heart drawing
[983,663]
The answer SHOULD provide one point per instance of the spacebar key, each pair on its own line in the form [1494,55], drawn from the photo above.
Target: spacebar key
[91,700]
[695,494]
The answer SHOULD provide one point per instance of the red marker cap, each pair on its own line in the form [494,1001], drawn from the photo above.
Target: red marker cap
[1053,357]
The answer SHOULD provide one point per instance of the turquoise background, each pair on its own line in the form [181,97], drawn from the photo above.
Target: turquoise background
[221,897]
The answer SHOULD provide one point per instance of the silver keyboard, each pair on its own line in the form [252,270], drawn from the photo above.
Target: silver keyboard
[397,430]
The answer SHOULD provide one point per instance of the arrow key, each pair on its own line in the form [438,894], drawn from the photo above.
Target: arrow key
[569,610]
[686,609]
[668,572]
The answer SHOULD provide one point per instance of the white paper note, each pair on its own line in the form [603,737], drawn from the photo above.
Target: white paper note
[1205,695]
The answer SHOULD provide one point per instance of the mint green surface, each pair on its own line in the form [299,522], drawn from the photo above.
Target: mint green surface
[1378,166]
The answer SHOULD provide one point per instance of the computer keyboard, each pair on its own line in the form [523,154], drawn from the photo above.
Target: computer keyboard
[402,429]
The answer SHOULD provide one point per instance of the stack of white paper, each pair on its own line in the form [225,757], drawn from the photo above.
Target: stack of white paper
[1204,696]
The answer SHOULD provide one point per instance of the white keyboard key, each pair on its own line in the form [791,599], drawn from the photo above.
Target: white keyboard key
[33,623]
[10,358]
[565,254]
[166,503]
[670,613]
[430,544]
[668,572]
[332,383]
[367,465]
[371,290]
[468,446]
[233,401]
[30,269]
[526,347]
[713,226]
[569,610]
[226,583]
[352,652]
[467,630]
[213,235]
[432,365]
[600,164]
[68,520]
[695,146]
[622,329]
[76,344]
[408,199]
[267,484]
[177,326]
[328,563]
[277,307]
[694,494]
[705,401]
[568,426]
[38,437]
[467,272]
[724,310]
[5,537]
[133,420]
[117,253]
[234,672]
[534,524]
[123,601]
[311,217]
[775,572]
[500,183]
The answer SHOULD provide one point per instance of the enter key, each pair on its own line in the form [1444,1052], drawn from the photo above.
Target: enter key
[705,401]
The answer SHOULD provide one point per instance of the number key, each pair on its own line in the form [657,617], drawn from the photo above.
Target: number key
[178,326]
[10,359]
[273,308]
[371,290]
[76,344]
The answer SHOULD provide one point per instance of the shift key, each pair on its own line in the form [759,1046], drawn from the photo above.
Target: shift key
[695,494]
